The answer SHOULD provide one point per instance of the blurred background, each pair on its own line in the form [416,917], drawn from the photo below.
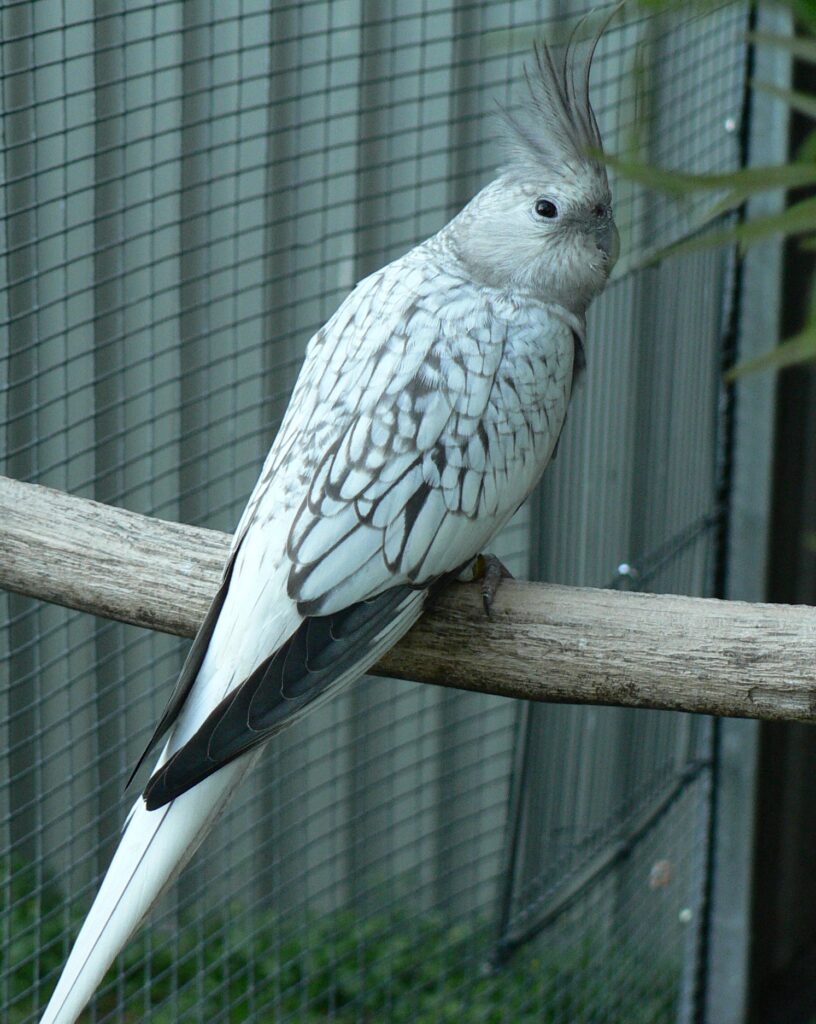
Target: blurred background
[189,191]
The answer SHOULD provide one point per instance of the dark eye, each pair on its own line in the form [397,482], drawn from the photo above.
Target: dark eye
[545,208]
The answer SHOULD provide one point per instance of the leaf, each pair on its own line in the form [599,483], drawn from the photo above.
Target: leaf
[796,219]
[805,13]
[800,46]
[735,199]
[800,101]
[807,149]
[746,181]
[801,348]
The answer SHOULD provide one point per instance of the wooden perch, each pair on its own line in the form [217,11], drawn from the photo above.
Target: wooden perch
[565,644]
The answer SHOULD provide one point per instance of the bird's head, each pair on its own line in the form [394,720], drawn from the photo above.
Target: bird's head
[544,227]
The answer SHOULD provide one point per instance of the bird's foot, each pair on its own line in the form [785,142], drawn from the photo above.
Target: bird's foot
[489,571]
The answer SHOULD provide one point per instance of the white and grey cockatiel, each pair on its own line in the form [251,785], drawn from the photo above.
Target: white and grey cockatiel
[426,411]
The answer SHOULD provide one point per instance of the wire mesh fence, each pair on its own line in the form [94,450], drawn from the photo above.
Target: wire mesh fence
[190,189]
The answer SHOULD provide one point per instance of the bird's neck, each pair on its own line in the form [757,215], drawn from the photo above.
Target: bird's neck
[443,248]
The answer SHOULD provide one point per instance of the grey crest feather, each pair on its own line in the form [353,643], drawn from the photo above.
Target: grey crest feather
[555,127]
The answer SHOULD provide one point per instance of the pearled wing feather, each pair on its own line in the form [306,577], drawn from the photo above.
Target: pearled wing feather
[421,419]
[427,439]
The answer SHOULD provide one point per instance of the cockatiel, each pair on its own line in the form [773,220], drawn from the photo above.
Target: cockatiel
[426,410]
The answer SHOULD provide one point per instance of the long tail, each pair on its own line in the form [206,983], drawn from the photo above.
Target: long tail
[155,846]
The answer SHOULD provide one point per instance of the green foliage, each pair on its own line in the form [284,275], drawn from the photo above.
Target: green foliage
[796,221]
[401,966]
[31,924]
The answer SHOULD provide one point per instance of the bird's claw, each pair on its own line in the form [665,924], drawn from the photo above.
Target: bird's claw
[490,571]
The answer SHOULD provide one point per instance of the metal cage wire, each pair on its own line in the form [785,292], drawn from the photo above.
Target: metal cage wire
[190,189]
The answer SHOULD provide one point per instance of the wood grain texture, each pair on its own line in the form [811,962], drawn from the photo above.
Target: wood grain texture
[106,560]
[563,644]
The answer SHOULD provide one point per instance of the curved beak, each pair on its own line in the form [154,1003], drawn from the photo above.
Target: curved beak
[608,240]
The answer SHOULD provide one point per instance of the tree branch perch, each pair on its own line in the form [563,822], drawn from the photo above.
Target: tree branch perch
[552,643]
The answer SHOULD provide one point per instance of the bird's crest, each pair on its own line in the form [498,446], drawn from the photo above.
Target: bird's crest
[555,126]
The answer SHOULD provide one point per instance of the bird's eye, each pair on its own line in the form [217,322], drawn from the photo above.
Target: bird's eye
[546,208]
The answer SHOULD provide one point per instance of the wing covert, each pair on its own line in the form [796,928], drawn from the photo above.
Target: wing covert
[426,439]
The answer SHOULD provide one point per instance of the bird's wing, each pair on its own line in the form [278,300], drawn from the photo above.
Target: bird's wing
[416,467]
[388,482]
